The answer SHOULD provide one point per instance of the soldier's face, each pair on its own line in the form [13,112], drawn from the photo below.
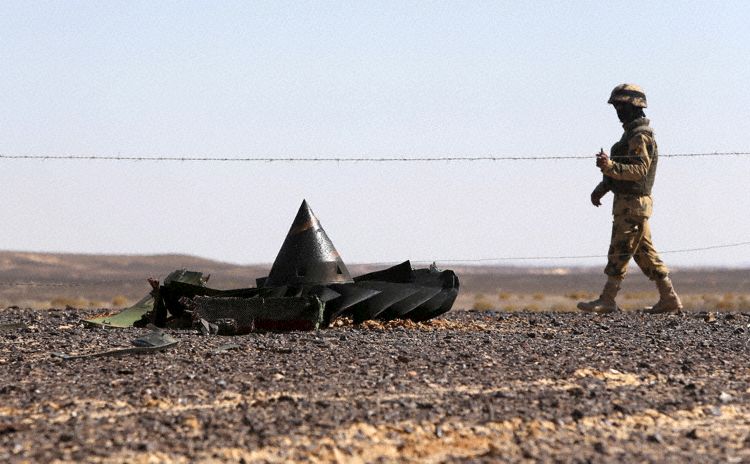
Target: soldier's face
[623,112]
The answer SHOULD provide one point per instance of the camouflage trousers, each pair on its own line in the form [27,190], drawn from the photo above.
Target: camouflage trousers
[631,238]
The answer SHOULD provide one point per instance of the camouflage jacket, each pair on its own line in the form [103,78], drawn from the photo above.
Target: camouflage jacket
[631,170]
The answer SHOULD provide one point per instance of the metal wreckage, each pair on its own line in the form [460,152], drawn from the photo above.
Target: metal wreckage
[308,287]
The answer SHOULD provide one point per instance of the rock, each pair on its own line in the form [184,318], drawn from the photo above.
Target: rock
[655,438]
[7,429]
[144,446]
[226,348]
[621,408]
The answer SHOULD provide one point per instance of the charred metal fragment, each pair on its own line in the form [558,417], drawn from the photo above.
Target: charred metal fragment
[307,287]
[324,294]
[435,292]
[149,343]
[403,307]
[400,273]
[350,296]
[258,314]
[441,303]
[390,294]
[207,328]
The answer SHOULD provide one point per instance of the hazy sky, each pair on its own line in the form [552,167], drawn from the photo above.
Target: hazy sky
[356,78]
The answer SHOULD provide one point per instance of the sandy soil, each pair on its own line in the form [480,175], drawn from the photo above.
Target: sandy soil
[473,386]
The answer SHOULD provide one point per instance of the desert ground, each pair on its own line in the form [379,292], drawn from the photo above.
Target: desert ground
[512,374]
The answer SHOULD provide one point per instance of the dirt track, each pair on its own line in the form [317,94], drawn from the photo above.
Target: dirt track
[473,386]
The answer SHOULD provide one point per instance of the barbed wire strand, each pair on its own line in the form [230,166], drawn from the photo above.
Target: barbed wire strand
[344,159]
[507,258]
[356,159]
[541,258]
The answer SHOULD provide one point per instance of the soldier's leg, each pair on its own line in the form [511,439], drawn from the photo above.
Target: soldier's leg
[625,238]
[648,260]
[627,232]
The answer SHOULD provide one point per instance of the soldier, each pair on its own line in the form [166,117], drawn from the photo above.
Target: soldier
[630,174]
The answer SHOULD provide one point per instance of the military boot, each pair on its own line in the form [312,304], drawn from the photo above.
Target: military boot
[668,302]
[606,301]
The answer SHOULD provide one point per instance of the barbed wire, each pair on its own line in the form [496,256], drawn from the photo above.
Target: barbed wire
[543,258]
[343,159]
[356,159]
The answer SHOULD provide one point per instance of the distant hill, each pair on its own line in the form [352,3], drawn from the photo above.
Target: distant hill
[82,268]
[54,279]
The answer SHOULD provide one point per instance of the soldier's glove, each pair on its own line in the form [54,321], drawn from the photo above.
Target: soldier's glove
[597,194]
[602,160]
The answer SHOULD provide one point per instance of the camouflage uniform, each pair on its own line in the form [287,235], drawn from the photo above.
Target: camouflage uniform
[630,176]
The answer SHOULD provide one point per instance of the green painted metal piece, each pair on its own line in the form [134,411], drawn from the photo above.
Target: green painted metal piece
[128,316]
[125,318]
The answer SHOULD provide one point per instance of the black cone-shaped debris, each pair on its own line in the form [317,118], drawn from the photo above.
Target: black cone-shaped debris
[308,286]
[307,256]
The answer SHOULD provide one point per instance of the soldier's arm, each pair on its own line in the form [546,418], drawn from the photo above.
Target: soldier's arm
[599,192]
[638,149]
[602,188]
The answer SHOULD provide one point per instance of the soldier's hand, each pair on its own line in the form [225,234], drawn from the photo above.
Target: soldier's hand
[596,197]
[602,160]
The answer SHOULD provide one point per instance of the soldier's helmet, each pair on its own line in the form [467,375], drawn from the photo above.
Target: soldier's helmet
[628,93]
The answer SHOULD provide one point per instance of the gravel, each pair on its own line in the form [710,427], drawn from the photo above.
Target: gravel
[472,386]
